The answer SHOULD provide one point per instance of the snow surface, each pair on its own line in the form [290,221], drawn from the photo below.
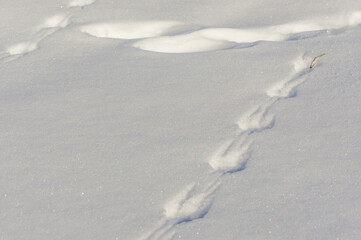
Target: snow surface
[180,119]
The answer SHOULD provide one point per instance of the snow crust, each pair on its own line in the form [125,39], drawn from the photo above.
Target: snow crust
[180,119]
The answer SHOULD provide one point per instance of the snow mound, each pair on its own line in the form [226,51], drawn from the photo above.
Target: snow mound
[211,39]
[130,30]
[182,44]
[80,3]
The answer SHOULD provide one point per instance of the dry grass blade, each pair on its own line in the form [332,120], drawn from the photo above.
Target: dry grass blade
[315,60]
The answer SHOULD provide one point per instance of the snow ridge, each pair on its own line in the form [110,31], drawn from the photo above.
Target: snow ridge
[169,37]
[210,39]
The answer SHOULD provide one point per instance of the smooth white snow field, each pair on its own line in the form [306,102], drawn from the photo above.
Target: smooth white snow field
[161,120]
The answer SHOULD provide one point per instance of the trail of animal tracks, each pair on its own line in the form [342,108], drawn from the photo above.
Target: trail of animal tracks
[233,155]
[193,120]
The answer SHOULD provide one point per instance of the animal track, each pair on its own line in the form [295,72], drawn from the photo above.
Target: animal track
[49,27]
[257,119]
[287,88]
[232,156]
[22,48]
[189,204]
[56,21]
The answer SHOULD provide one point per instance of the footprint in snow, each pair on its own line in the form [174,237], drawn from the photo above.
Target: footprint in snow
[232,156]
[257,119]
[56,21]
[192,202]
[49,27]
[288,88]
